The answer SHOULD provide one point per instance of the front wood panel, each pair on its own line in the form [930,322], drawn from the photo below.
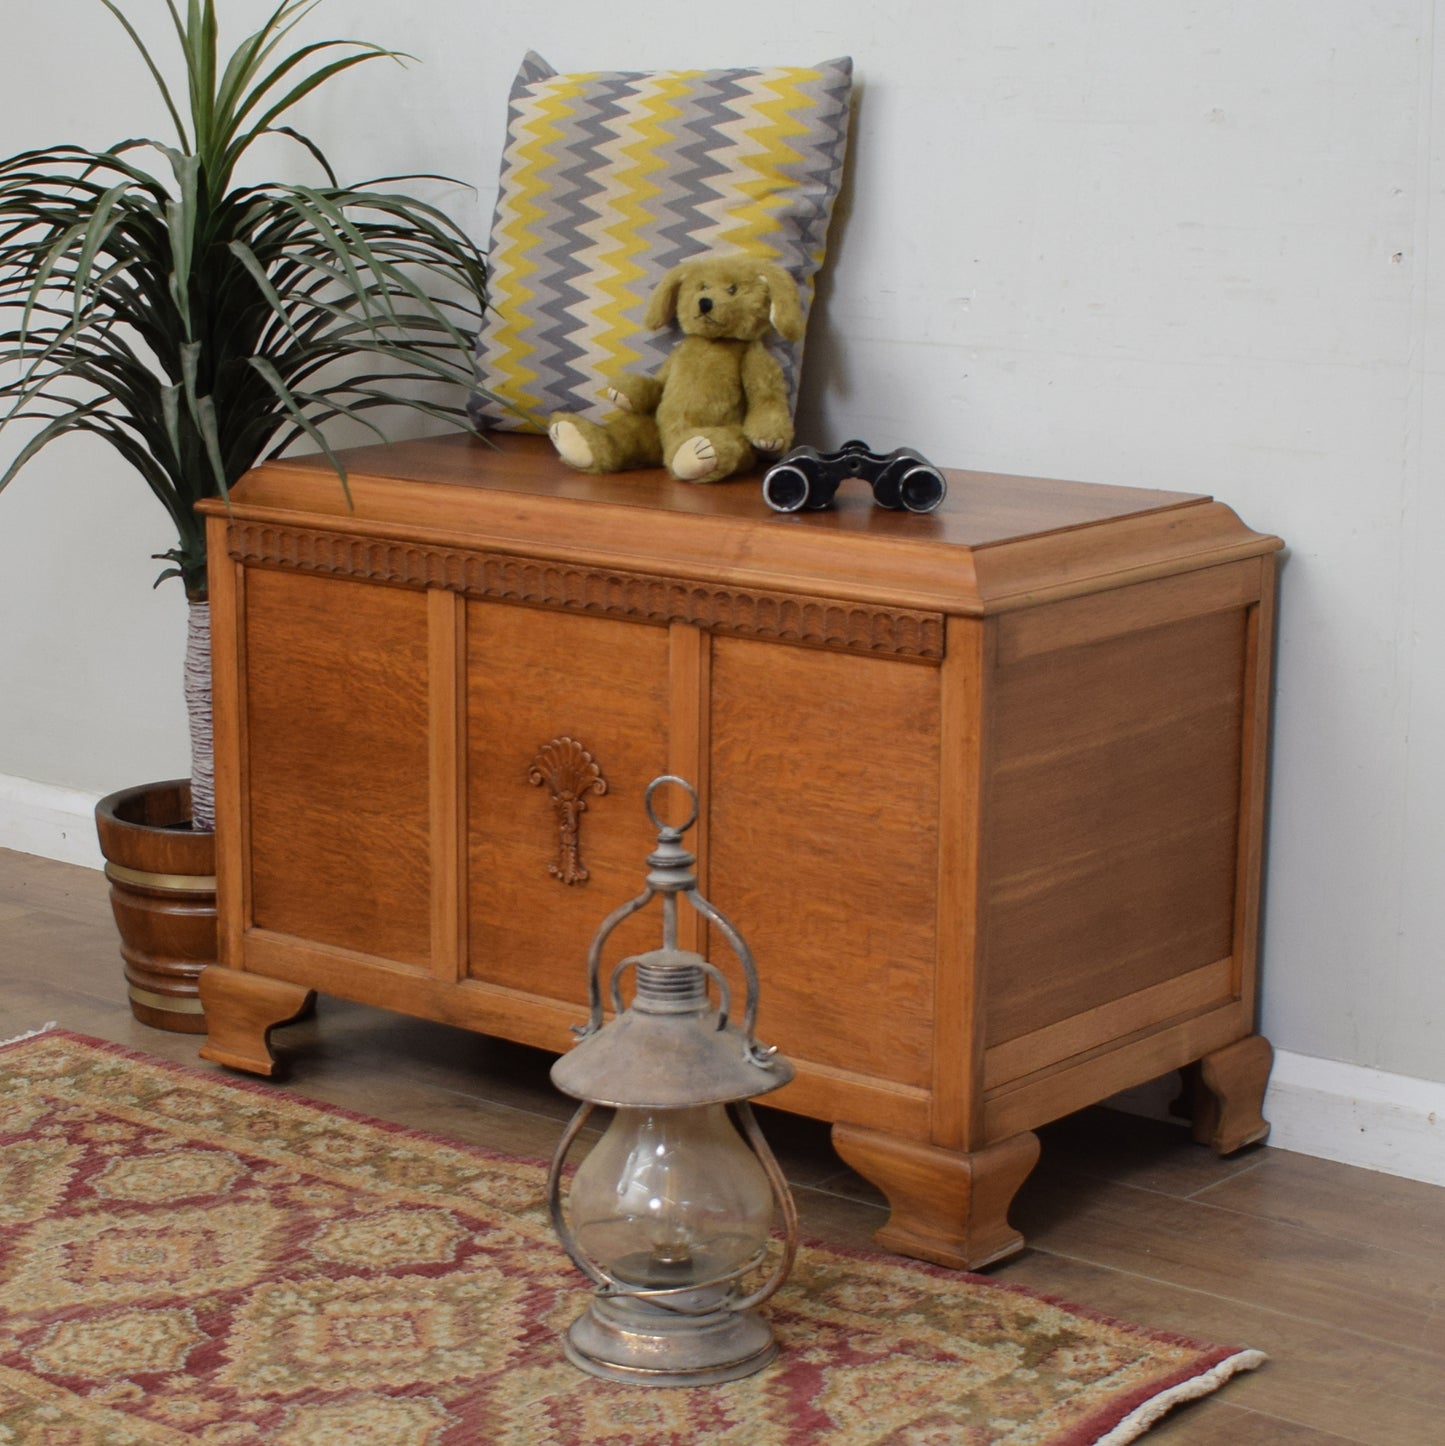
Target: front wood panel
[823,841]
[1112,835]
[336,746]
[534,675]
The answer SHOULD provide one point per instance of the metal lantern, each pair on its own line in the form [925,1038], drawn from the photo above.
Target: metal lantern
[673,1207]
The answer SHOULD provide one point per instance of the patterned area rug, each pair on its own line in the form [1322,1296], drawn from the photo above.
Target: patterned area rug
[185,1258]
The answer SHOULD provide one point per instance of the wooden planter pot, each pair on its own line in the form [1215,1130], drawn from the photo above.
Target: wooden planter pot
[163,892]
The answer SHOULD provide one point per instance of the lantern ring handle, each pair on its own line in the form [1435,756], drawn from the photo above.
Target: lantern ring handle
[725,1000]
[676,830]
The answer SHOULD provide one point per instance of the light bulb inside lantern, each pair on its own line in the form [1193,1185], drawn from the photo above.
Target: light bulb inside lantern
[671,1198]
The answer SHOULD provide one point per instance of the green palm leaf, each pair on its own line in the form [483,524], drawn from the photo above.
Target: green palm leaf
[200,327]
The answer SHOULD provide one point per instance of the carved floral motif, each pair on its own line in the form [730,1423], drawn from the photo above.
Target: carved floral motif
[571,773]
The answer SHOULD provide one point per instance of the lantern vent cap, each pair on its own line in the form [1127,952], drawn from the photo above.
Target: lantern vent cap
[644,1061]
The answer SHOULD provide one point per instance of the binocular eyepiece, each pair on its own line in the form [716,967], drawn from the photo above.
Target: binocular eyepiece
[806,480]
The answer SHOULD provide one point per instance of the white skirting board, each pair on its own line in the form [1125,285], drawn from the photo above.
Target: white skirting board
[1365,1117]
[1385,1122]
[45,819]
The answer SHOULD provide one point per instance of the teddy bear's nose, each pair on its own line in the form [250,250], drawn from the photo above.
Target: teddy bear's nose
[704,305]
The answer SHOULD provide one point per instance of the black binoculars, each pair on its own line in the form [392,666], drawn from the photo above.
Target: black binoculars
[806,480]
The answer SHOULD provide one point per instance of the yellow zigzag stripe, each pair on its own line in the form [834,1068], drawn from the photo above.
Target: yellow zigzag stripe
[512,261]
[764,192]
[618,231]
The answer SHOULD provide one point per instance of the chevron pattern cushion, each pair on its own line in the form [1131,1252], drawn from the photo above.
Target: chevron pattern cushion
[611,178]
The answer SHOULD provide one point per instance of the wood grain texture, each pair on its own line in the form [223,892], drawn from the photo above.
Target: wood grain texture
[822,845]
[1324,1375]
[446,771]
[246,1008]
[947,1206]
[527,1017]
[690,754]
[1055,567]
[1254,779]
[1229,1107]
[1386,1295]
[338,755]
[960,972]
[1032,632]
[1114,831]
[1217,1423]
[996,543]
[520,1015]
[163,895]
[1150,1050]
[229,748]
[534,676]
[1180,996]
[1306,1193]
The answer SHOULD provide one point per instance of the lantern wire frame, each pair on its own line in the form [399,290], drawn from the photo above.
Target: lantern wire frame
[758,1070]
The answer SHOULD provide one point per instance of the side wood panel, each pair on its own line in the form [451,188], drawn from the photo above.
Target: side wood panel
[1113,832]
[336,732]
[1122,1063]
[1259,669]
[1198,992]
[1131,609]
[823,847]
[535,677]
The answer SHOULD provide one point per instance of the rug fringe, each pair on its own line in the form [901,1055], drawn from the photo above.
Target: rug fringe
[30,1034]
[1139,1420]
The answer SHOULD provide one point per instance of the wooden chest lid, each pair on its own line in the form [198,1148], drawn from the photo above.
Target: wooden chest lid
[997,542]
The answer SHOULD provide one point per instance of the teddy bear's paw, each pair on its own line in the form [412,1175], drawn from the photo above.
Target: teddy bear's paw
[619,399]
[571,445]
[767,444]
[695,460]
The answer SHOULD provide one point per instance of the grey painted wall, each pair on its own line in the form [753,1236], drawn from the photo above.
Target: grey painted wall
[1184,245]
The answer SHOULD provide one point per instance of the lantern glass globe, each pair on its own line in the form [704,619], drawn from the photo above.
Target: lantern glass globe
[671,1198]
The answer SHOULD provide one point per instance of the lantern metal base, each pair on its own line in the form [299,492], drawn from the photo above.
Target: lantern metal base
[641,1344]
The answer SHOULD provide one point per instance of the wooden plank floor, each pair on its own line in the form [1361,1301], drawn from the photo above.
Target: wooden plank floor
[1337,1273]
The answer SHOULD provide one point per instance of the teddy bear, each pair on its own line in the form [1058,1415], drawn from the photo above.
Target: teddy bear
[719,398]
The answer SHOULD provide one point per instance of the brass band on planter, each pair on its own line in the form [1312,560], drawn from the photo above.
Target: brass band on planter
[171,1003]
[167,883]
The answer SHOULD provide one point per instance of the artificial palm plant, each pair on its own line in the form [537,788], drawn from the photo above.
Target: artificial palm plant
[200,325]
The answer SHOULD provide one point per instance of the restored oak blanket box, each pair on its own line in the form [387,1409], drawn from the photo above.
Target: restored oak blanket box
[983,788]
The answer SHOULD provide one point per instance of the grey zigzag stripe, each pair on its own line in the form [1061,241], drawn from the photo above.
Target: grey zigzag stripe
[698,154]
[564,363]
[533,68]
[700,168]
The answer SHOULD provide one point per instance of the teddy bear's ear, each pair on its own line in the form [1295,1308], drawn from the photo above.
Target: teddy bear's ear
[786,311]
[663,306]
